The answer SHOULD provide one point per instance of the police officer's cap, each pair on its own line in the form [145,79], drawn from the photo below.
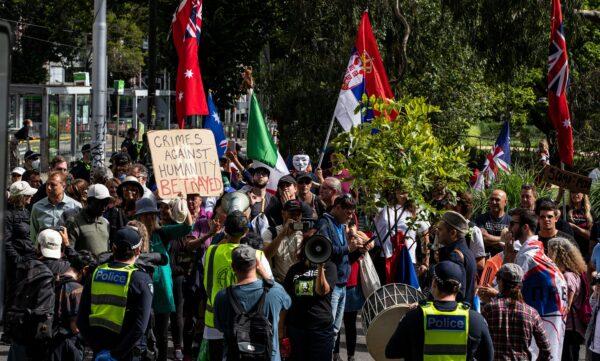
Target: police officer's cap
[127,237]
[446,271]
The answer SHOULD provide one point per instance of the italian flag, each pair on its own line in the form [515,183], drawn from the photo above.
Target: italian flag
[261,148]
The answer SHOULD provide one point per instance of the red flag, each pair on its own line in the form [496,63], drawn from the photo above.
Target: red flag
[558,79]
[375,77]
[190,98]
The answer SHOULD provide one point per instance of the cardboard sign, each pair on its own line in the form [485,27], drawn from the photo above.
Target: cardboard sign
[571,181]
[185,161]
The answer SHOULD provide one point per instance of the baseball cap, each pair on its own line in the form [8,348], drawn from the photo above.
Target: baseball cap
[31,154]
[50,242]
[292,205]
[121,158]
[447,270]
[127,237]
[243,257]
[86,148]
[98,191]
[511,272]
[286,179]
[302,176]
[18,170]
[456,221]
[21,188]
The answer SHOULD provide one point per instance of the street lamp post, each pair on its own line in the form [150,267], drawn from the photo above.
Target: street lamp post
[99,84]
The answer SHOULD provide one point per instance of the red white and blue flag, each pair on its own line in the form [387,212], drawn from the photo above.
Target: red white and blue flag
[365,74]
[213,123]
[186,25]
[498,159]
[558,81]
[545,289]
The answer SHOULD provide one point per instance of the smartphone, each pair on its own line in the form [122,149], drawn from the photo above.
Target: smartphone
[231,145]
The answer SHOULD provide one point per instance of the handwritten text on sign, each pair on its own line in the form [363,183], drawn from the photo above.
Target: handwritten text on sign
[185,161]
[571,181]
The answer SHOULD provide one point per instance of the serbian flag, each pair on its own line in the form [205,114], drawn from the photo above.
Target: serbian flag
[545,289]
[365,74]
[558,80]
[190,98]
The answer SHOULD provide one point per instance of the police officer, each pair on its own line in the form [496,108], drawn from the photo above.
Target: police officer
[83,166]
[116,303]
[443,329]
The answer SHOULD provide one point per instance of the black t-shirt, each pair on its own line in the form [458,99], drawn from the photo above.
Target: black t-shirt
[560,234]
[309,311]
[493,226]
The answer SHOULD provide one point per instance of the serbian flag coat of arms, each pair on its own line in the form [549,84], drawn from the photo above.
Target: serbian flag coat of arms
[365,74]
[186,25]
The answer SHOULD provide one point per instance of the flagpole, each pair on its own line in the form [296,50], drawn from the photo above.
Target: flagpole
[326,141]
[564,203]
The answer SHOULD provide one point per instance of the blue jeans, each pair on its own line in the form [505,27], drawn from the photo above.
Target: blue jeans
[338,301]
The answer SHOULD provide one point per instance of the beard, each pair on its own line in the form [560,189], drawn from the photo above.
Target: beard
[261,184]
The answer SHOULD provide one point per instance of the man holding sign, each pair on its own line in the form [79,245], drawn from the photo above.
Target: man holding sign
[185,161]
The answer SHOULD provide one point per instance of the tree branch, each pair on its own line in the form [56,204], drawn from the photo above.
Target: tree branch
[403,57]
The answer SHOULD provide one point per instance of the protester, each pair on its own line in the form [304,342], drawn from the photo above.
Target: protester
[57,164]
[100,175]
[494,221]
[47,213]
[286,190]
[579,216]
[33,178]
[16,174]
[140,172]
[130,145]
[120,163]
[415,339]
[163,302]
[474,238]
[306,195]
[512,323]
[542,277]
[249,294]
[78,191]
[281,243]
[88,229]
[330,189]
[451,232]
[219,275]
[117,328]
[112,185]
[32,160]
[83,166]
[309,321]
[570,262]
[592,336]
[128,192]
[528,197]
[333,226]
[548,217]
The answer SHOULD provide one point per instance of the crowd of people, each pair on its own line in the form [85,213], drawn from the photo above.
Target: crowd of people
[97,262]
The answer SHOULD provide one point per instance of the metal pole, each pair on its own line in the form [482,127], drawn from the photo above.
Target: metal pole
[326,141]
[99,84]
[564,203]
[150,120]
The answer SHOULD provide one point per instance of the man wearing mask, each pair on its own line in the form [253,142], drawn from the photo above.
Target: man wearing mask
[83,167]
[120,163]
[494,221]
[87,229]
[47,213]
[452,230]
[32,160]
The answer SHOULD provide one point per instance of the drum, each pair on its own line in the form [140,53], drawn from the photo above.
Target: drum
[382,312]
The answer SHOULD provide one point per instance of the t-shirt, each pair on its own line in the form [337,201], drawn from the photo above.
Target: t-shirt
[476,244]
[560,234]
[493,226]
[248,295]
[286,254]
[309,311]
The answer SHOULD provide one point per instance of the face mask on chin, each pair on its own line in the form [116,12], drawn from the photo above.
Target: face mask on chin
[35,164]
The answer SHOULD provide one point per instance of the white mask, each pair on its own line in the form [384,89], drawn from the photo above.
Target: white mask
[36,164]
[300,162]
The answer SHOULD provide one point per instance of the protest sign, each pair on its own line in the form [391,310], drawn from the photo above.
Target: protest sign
[564,179]
[185,161]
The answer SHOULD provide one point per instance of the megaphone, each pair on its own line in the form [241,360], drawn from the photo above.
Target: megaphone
[318,249]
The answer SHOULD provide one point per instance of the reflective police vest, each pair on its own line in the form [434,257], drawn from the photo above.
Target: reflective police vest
[218,275]
[446,333]
[109,296]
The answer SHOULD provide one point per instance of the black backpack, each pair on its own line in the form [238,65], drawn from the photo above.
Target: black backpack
[252,336]
[30,317]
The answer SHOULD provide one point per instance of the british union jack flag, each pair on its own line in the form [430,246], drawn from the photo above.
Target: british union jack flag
[194,25]
[498,159]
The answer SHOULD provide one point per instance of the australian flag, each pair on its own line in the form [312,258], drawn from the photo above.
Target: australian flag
[498,159]
[558,81]
[213,123]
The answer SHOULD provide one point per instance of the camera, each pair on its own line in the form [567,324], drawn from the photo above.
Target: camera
[303,225]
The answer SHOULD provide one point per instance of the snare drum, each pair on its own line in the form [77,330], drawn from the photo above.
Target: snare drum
[382,312]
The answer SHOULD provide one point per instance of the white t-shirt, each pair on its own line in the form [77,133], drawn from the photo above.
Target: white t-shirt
[477,246]
[211,333]
[384,221]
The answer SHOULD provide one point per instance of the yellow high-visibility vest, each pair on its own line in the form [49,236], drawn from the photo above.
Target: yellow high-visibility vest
[446,333]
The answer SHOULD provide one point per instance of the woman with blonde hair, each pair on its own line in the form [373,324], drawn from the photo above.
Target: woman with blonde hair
[570,262]
[579,215]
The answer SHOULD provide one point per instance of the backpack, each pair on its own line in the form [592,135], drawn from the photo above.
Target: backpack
[583,309]
[31,314]
[252,337]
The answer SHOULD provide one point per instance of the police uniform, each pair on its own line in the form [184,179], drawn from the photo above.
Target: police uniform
[441,331]
[115,307]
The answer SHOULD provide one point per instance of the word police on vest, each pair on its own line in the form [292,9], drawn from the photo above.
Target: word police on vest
[446,322]
[111,276]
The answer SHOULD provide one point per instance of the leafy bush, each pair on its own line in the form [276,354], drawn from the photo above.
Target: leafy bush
[595,199]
